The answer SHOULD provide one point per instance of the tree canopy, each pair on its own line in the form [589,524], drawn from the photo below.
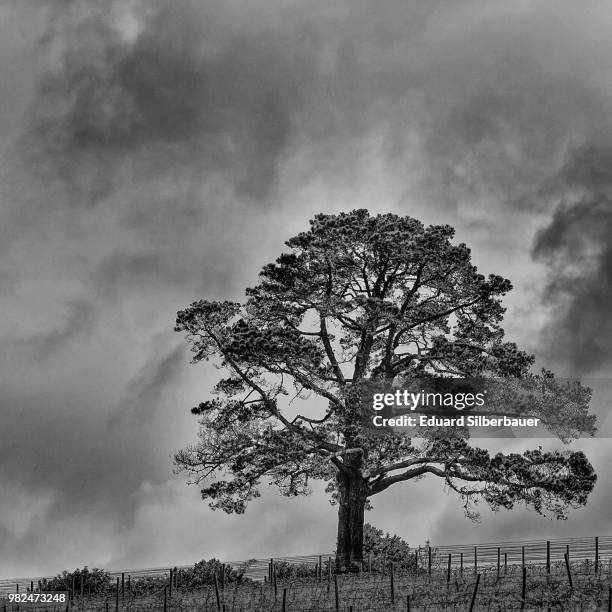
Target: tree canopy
[360,297]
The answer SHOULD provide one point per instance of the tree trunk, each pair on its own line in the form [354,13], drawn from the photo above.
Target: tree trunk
[352,489]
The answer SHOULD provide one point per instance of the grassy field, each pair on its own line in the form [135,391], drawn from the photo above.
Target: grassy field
[420,592]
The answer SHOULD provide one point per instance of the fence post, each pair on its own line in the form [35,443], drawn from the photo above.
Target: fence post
[165,598]
[217,593]
[498,561]
[275,584]
[610,599]
[462,564]
[407,603]
[548,556]
[448,572]
[392,584]
[523,556]
[284,600]
[505,562]
[31,586]
[474,593]
[117,596]
[336,589]
[569,571]
[320,568]
[122,587]
[596,554]
[475,559]
[429,560]
[524,588]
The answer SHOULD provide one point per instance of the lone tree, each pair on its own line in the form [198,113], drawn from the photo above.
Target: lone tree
[358,297]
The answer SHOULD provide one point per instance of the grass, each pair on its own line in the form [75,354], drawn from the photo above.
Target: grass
[502,592]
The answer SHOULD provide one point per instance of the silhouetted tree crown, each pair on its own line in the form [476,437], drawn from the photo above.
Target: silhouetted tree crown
[361,297]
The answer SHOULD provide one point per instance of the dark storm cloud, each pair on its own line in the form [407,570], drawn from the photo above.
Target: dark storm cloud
[576,245]
[191,91]
[221,89]
[170,147]
[86,465]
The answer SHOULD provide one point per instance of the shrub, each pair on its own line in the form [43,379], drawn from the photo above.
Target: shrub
[93,581]
[385,549]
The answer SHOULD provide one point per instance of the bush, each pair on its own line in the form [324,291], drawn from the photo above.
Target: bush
[291,571]
[385,549]
[94,581]
[203,574]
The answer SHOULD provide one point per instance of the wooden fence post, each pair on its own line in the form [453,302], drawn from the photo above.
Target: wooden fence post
[284,600]
[165,598]
[217,593]
[336,590]
[548,557]
[474,593]
[498,561]
[117,596]
[392,584]
[475,559]
[429,560]
[275,583]
[462,564]
[407,603]
[320,568]
[523,556]
[123,586]
[524,588]
[505,562]
[569,571]
[596,554]
[448,571]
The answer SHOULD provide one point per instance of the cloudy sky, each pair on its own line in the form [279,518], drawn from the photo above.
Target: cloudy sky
[158,152]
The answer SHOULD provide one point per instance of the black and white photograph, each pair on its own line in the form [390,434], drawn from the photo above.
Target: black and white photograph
[305,305]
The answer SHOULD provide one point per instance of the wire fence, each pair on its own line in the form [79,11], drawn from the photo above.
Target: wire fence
[568,574]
